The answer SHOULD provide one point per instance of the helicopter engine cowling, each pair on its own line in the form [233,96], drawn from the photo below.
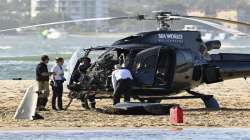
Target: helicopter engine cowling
[214,44]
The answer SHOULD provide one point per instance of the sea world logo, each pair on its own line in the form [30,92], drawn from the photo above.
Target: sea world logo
[171,36]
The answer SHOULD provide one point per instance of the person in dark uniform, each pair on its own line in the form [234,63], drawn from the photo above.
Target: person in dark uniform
[57,86]
[42,77]
[122,82]
[84,65]
[81,67]
[80,80]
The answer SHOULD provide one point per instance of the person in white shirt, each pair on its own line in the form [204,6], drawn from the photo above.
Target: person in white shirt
[57,85]
[122,82]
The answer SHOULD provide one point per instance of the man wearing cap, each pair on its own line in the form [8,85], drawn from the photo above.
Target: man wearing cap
[42,77]
[122,82]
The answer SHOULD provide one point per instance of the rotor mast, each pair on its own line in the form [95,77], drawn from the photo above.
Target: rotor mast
[163,18]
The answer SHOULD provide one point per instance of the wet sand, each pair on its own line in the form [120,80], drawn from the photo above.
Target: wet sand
[233,97]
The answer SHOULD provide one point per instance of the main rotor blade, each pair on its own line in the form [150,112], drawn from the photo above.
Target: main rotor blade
[220,19]
[67,21]
[212,24]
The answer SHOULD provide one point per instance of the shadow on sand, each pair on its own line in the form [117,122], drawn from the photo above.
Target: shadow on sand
[221,109]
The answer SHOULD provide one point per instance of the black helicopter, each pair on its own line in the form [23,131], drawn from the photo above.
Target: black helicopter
[164,62]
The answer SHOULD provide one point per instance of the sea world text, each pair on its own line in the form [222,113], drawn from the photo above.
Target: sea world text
[170,36]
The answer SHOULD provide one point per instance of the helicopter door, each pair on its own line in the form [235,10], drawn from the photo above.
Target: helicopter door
[145,66]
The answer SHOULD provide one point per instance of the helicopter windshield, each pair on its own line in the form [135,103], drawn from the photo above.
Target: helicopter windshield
[109,55]
[107,51]
[94,55]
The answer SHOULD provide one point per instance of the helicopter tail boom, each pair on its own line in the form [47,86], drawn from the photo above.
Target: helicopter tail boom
[231,65]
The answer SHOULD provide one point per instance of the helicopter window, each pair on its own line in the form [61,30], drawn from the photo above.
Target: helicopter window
[105,52]
[145,65]
[93,55]
[162,68]
[145,62]
[111,53]
[108,60]
[148,63]
[130,60]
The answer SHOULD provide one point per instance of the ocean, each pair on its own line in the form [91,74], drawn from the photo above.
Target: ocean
[19,54]
[131,134]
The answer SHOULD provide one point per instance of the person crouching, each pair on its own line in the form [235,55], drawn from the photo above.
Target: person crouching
[122,82]
[57,84]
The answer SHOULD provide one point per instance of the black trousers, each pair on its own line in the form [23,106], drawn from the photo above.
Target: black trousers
[123,87]
[57,95]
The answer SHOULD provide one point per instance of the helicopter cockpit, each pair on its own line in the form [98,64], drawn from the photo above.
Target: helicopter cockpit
[150,65]
[103,59]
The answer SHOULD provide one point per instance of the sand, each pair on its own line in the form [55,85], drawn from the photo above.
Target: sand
[233,96]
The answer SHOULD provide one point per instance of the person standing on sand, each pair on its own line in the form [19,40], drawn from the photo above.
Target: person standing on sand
[42,78]
[122,82]
[57,85]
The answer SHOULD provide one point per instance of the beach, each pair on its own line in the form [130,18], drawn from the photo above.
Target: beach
[233,97]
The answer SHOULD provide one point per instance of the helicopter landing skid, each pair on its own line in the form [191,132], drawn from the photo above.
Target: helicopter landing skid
[209,101]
